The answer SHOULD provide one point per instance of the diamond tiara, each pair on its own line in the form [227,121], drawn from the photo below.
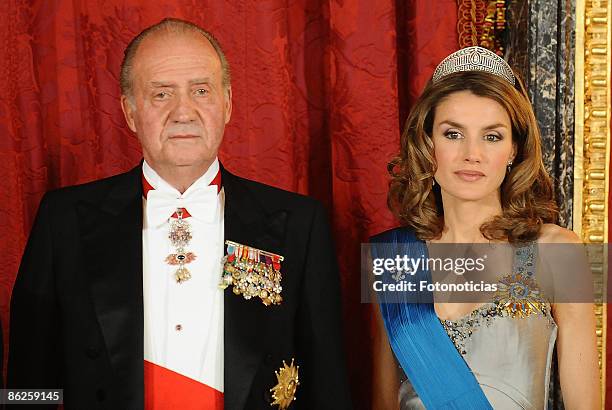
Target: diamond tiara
[474,59]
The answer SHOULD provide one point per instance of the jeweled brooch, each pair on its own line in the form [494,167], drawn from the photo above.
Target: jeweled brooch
[519,296]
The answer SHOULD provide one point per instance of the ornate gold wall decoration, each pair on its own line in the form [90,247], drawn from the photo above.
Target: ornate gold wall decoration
[482,23]
[592,147]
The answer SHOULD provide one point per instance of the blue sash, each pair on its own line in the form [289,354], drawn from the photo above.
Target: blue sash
[436,370]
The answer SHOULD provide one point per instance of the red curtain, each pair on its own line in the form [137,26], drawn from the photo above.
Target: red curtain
[320,90]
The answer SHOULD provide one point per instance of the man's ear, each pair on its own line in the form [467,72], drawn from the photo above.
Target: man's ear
[228,104]
[128,112]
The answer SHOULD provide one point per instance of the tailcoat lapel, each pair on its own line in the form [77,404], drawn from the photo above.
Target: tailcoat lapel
[111,237]
[247,325]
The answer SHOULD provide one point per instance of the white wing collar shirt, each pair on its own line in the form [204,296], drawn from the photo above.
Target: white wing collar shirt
[183,322]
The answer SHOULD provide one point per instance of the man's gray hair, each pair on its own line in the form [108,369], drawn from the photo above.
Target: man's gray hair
[173,26]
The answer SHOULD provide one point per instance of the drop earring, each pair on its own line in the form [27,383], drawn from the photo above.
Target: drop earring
[509,167]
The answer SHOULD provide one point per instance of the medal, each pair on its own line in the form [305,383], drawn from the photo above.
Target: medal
[288,381]
[518,294]
[180,236]
[252,273]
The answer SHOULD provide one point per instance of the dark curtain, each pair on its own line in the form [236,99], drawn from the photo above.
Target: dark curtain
[542,48]
[320,90]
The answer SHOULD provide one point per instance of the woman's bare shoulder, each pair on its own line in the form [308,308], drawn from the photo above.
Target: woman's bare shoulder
[551,233]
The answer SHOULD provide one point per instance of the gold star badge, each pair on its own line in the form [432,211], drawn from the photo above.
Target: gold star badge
[284,391]
[519,296]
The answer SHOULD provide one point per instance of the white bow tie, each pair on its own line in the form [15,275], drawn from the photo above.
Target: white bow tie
[201,203]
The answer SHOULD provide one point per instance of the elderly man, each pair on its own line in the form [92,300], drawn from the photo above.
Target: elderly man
[178,284]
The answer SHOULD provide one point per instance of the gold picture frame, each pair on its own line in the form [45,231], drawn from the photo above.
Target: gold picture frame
[592,148]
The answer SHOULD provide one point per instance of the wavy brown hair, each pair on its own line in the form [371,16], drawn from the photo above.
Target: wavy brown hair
[526,192]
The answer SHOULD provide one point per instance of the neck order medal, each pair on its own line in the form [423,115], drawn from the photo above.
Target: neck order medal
[180,236]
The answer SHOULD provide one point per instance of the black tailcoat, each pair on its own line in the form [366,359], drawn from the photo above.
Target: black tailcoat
[77,304]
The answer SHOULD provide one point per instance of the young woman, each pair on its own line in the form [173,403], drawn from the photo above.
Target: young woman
[470,171]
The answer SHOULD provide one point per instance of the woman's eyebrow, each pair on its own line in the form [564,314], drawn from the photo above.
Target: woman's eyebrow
[487,127]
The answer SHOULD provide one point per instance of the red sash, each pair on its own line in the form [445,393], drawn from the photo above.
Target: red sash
[165,390]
